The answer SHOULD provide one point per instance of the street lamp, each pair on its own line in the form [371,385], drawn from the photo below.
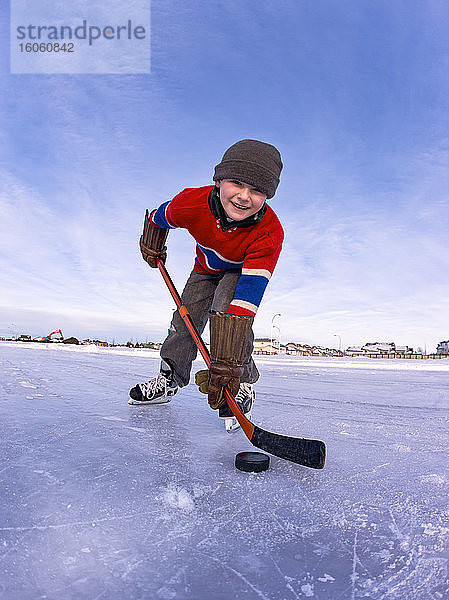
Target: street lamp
[271,341]
[339,341]
[278,339]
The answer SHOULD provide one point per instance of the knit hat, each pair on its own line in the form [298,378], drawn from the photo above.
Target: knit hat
[256,163]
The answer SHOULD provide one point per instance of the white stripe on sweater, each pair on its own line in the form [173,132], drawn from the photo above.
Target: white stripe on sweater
[260,272]
[244,304]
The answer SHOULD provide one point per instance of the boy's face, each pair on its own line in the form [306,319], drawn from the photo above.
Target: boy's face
[239,199]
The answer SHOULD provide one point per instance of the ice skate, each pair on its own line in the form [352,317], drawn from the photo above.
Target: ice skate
[158,390]
[245,399]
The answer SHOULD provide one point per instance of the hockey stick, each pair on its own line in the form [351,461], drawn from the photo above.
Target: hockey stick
[310,453]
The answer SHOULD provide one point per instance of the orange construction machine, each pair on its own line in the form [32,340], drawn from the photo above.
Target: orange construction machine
[48,337]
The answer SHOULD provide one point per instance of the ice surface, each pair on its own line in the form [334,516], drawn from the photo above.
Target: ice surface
[100,499]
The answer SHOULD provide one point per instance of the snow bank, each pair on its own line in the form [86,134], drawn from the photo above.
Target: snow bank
[396,364]
[85,348]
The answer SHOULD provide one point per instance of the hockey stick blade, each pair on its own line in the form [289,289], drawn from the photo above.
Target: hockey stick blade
[309,453]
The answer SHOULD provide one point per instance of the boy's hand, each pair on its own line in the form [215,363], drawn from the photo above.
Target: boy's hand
[212,382]
[202,380]
[152,242]
[221,375]
[150,256]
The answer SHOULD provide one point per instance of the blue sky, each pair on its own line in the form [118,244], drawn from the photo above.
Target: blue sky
[353,93]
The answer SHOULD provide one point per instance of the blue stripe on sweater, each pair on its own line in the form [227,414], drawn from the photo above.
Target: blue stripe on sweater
[159,217]
[218,263]
[251,288]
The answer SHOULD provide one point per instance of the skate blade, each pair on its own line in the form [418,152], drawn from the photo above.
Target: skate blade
[146,402]
[231,423]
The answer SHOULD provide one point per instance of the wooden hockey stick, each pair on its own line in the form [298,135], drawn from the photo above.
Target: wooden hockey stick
[310,453]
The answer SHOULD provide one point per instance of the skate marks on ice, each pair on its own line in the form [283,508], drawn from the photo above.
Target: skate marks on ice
[177,497]
[19,375]
[249,550]
[390,552]
[204,547]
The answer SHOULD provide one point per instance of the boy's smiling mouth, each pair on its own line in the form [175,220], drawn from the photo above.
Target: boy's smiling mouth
[239,206]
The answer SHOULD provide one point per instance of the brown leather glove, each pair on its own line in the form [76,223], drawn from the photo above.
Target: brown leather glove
[222,374]
[152,242]
[228,335]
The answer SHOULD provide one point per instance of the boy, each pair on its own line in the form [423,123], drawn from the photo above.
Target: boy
[239,239]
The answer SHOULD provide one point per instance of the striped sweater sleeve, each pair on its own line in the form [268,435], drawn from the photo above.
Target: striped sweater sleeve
[161,218]
[257,269]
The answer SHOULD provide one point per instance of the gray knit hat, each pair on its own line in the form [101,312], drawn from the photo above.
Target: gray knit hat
[252,162]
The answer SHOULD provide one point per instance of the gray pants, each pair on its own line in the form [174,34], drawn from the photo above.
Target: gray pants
[203,292]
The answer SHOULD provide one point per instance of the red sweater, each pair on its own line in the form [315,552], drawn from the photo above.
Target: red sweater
[254,250]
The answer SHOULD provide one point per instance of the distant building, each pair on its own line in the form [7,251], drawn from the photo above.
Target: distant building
[403,350]
[443,347]
[354,351]
[88,342]
[24,338]
[304,349]
[291,348]
[265,346]
[379,347]
[374,349]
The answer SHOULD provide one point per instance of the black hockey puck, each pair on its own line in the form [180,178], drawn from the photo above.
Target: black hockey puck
[252,462]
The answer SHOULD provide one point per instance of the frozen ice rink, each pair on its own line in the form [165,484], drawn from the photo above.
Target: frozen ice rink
[102,500]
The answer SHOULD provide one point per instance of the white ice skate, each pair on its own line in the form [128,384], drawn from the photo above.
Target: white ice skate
[158,390]
[245,399]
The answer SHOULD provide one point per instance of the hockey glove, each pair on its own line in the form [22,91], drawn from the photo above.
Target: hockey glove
[228,335]
[202,380]
[152,242]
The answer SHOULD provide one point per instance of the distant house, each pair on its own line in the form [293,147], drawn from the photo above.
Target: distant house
[335,352]
[355,351]
[304,349]
[443,347]
[88,342]
[404,350]
[319,351]
[24,338]
[265,346]
[291,348]
[379,347]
